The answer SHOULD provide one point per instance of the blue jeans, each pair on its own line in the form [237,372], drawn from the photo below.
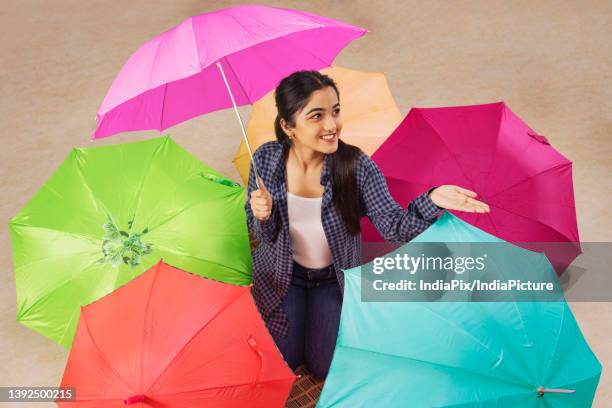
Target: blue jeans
[313,304]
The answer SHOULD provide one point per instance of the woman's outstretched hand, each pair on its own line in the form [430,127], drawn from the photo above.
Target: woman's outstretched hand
[457,198]
[261,202]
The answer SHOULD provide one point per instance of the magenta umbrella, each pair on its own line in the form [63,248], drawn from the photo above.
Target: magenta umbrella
[490,150]
[228,57]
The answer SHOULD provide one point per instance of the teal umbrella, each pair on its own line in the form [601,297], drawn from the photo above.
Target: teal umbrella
[459,354]
[108,214]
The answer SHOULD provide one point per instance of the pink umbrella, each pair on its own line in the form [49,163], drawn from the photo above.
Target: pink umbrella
[229,57]
[487,149]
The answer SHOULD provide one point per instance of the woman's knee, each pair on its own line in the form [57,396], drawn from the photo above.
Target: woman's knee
[289,349]
[318,367]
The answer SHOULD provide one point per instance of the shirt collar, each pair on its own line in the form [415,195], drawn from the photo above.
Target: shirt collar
[278,164]
[325,172]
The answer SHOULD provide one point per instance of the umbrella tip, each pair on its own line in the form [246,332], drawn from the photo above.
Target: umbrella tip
[540,138]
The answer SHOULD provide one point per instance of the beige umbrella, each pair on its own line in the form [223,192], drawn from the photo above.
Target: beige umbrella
[369,114]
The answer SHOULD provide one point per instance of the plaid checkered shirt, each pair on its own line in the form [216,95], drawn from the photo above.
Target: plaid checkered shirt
[273,257]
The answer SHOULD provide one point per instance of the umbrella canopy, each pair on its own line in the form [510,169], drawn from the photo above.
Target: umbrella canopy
[109,213]
[459,354]
[174,76]
[489,150]
[172,339]
[369,114]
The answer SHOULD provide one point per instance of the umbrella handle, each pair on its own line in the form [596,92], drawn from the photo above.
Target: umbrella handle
[255,348]
[134,399]
[246,139]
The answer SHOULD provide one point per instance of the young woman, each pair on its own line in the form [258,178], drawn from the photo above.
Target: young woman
[313,190]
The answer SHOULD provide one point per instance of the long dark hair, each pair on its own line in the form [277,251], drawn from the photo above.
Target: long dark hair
[292,95]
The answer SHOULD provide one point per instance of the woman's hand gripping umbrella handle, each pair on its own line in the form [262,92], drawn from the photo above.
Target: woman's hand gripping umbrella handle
[261,202]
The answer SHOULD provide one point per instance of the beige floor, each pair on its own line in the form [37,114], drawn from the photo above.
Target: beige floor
[551,61]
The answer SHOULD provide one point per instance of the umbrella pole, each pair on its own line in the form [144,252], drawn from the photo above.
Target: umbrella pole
[246,139]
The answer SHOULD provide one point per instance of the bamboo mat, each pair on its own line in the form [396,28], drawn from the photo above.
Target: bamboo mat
[306,390]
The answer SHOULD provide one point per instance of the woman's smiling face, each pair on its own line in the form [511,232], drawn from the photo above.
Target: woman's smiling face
[318,124]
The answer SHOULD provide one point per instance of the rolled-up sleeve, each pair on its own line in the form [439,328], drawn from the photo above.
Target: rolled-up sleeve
[395,224]
[263,231]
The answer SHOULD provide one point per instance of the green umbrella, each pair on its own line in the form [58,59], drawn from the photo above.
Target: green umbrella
[108,214]
[459,354]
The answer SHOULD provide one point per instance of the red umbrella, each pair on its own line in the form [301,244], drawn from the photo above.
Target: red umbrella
[172,339]
[487,149]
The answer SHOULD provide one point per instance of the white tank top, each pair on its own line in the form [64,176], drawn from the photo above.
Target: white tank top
[308,241]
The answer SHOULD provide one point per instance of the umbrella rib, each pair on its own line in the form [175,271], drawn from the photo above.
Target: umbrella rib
[494,226]
[146,175]
[469,334]
[50,292]
[163,104]
[431,363]
[519,314]
[221,386]
[533,219]
[75,312]
[501,118]
[159,43]
[159,202]
[101,354]
[327,64]
[431,126]
[284,38]
[100,380]
[151,228]
[227,61]
[579,380]
[244,28]
[146,313]
[155,396]
[154,382]
[168,219]
[241,272]
[554,349]
[530,177]
[98,204]
[239,49]
[75,234]
[230,65]
[402,180]
[494,399]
